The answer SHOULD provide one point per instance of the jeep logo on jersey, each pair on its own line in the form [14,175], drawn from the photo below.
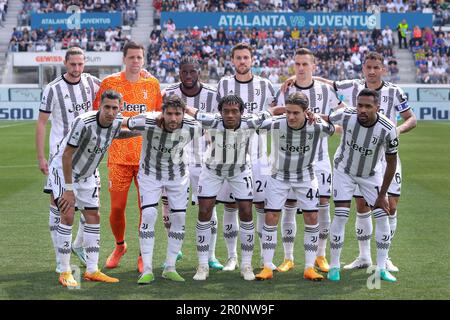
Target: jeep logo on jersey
[363,150]
[76,107]
[250,106]
[98,150]
[141,108]
[229,146]
[300,149]
[163,149]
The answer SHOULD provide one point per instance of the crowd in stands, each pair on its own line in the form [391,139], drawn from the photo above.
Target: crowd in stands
[112,39]
[431,51]
[127,7]
[339,53]
[439,7]
[3,11]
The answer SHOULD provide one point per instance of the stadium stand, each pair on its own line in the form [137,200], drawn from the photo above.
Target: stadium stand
[339,52]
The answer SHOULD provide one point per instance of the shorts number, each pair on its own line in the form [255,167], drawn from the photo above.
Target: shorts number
[95,193]
[259,184]
[378,189]
[326,179]
[249,182]
[398,178]
[310,195]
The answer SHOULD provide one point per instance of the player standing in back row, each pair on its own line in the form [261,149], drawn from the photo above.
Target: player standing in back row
[322,100]
[203,98]
[257,94]
[393,102]
[140,94]
[65,98]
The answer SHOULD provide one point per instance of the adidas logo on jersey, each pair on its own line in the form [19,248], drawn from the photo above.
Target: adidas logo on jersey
[66,96]
[141,108]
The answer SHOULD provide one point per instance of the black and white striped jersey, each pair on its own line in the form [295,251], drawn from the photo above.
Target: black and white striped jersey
[361,148]
[393,99]
[162,154]
[228,153]
[293,151]
[257,94]
[204,101]
[92,142]
[66,101]
[322,99]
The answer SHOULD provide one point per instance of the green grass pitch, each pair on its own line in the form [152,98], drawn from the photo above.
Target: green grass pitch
[420,248]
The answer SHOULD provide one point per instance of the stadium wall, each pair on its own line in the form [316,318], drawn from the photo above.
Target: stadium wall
[429,102]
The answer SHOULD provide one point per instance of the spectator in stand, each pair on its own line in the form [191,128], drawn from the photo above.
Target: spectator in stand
[402,29]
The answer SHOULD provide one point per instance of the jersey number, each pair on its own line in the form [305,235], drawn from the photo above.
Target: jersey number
[310,195]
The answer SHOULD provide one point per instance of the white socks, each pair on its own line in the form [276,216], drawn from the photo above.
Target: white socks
[212,242]
[147,237]
[382,236]
[269,243]
[175,238]
[247,234]
[337,233]
[364,229]
[393,224]
[324,228]
[230,230]
[310,243]
[64,240]
[288,231]
[53,222]
[92,246]
[78,242]
[260,218]
[203,238]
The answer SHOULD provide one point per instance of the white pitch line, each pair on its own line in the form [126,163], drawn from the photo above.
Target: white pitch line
[15,125]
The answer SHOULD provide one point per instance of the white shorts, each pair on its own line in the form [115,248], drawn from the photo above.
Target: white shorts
[344,186]
[86,190]
[396,184]
[150,191]
[240,186]
[260,174]
[194,175]
[325,183]
[48,182]
[306,193]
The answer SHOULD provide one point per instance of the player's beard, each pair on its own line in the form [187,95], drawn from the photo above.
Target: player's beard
[192,86]
[246,71]
[75,74]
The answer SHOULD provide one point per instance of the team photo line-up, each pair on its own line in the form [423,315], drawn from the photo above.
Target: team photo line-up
[213,141]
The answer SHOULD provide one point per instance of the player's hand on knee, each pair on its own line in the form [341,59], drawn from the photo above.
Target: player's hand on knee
[382,202]
[67,202]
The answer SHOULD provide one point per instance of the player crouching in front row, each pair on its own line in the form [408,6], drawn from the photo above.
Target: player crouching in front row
[73,182]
